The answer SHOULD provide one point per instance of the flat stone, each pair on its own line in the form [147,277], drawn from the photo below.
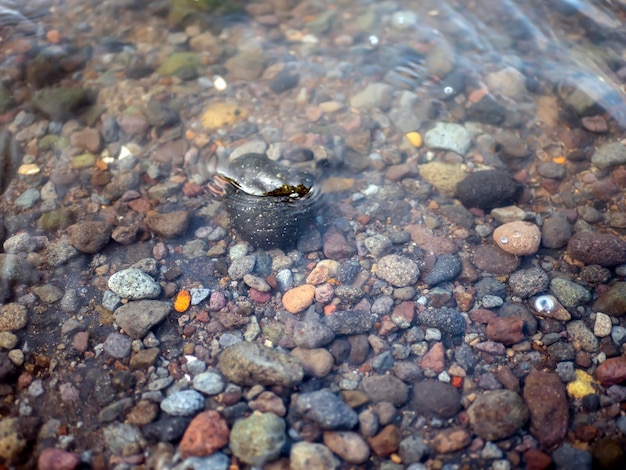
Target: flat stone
[546,398]
[497,414]
[258,439]
[613,301]
[612,371]
[183,403]
[489,189]
[326,409]
[434,398]
[608,155]
[386,441]
[315,362]
[299,298]
[388,388]
[570,294]
[492,259]
[90,237]
[448,136]
[450,440]
[13,317]
[397,270]
[251,364]
[137,317]
[170,225]
[505,330]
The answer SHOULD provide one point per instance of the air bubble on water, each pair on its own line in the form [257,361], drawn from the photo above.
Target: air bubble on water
[544,303]
[373,40]
[219,83]
[504,240]
[448,90]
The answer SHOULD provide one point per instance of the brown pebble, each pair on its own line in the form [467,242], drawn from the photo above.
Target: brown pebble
[170,225]
[450,440]
[506,330]
[207,433]
[612,371]
[518,238]
[492,259]
[545,395]
[536,460]
[604,249]
[348,445]
[434,359]
[299,298]
[386,441]
[268,402]
[81,341]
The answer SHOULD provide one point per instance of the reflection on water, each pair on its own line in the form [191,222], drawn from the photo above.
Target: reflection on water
[112,111]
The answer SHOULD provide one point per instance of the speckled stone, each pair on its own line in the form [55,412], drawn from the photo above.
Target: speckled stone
[497,414]
[448,136]
[569,293]
[90,237]
[518,238]
[528,282]
[612,301]
[326,409]
[546,398]
[251,364]
[258,439]
[137,317]
[311,456]
[348,445]
[604,249]
[13,317]
[578,332]
[183,403]
[134,284]
[399,271]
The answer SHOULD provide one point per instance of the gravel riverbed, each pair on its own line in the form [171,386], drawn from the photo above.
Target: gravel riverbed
[458,303]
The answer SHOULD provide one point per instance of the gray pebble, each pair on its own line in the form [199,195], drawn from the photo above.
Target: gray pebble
[216,461]
[241,266]
[312,335]
[569,293]
[552,170]
[134,284]
[567,457]
[196,367]
[70,302]
[375,95]
[621,424]
[209,383]
[27,199]
[556,231]
[378,245]
[432,334]
[198,295]
[577,331]
[385,388]
[448,136]
[566,371]
[136,318]
[20,243]
[492,301]
[349,322]
[528,282]
[123,439]
[399,271]
[117,345]
[618,335]
[447,268]
[284,280]
[449,321]
[412,448]
[183,403]
[326,409]
[382,305]
[368,423]
[611,154]
[258,438]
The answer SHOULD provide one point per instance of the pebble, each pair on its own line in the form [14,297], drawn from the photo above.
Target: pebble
[448,136]
[136,318]
[399,271]
[508,82]
[374,95]
[612,371]
[134,284]
[299,298]
[434,359]
[528,282]
[123,439]
[506,330]
[618,335]
[613,301]
[546,398]
[183,403]
[268,402]
[604,249]
[57,459]
[386,441]
[433,398]
[315,362]
[450,440]
[308,455]
[348,322]
[608,155]
[283,81]
[412,449]
[90,237]
[567,456]
[579,333]
[489,189]
[20,243]
[378,245]
[258,439]
[443,176]
[216,461]
[569,293]
[388,388]
[312,335]
[209,383]
[446,268]
[117,345]
[198,295]
[170,225]
[348,445]
[7,340]
[326,409]
[449,321]
[497,414]
[48,293]
[207,433]
[518,238]
[27,199]
[556,231]
[492,259]
[251,364]
[13,317]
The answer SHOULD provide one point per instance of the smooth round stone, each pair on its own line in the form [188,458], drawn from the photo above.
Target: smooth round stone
[209,383]
[134,284]
[497,414]
[258,439]
[449,136]
[183,403]
[7,340]
[348,445]
[117,345]
[518,238]
[603,325]
[307,455]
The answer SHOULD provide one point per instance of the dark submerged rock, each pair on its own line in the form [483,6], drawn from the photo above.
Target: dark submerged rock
[489,189]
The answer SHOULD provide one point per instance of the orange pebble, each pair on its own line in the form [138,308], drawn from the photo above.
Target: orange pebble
[54,36]
[329,309]
[456,381]
[183,301]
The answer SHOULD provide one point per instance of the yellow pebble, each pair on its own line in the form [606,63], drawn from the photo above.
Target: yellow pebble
[415,138]
[582,386]
[183,301]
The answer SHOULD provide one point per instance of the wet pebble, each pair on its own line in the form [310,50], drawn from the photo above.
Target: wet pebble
[556,231]
[612,301]
[546,398]
[283,81]
[170,225]
[508,82]
[492,259]
[258,439]
[449,321]
[374,95]
[434,398]
[311,335]
[27,199]
[315,362]
[528,282]
[612,371]
[604,249]
[567,456]
[117,345]
[385,388]
[505,330]
[386,441]
[308,455]
[326,409]
[251,364]
[21,243]
[397,270]
[348,322]
[489,189]
[378,245]
[497,414]
[13,317]
[447,268]
[183,403]
[144,358]
[518,238]
[57,459]
[412,449]
[569,293]
[123,439]
[137,317]
[552,170]
[133,284]
[450,440]
[448,136]
[579,333]
[348,445]
[209,383]
[7,340]
[90,237]
[207,433]
[610,154]
[299,298]
[241,266]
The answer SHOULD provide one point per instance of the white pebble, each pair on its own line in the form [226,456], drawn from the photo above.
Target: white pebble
[134,284]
